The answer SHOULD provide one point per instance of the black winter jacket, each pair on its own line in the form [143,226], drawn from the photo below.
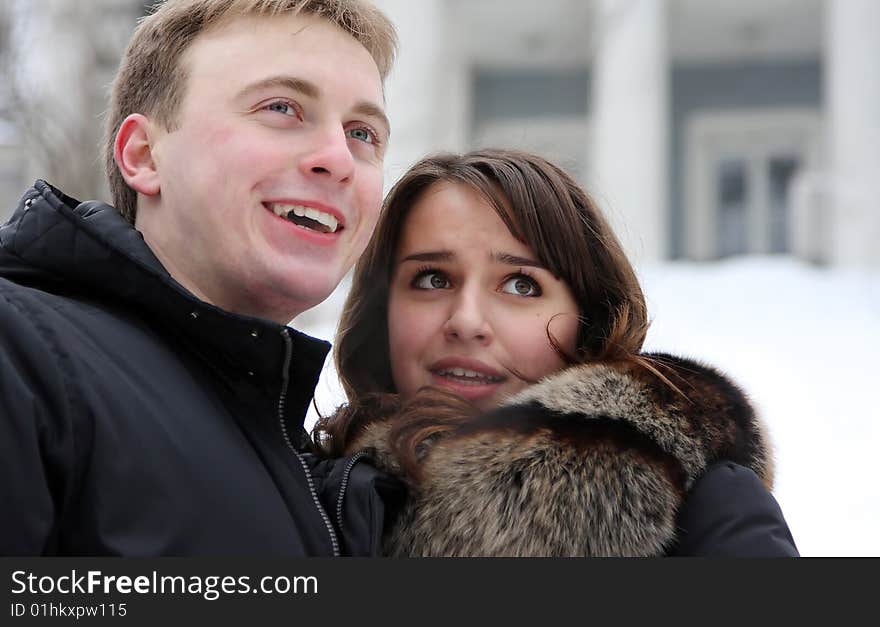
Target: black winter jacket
[138,420]
[602,459]
[730,513]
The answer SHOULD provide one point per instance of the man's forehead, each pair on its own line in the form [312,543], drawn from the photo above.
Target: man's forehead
[236,36]
[278,27]
[221,56]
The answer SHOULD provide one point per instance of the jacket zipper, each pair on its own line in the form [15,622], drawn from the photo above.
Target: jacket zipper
[288,354]
[344,485]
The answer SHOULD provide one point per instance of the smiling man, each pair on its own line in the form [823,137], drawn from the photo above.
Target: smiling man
[151,394]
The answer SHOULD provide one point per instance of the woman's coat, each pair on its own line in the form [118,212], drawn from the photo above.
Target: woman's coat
[597,460]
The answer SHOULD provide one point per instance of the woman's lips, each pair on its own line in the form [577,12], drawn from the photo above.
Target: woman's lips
[469,364]
[467,377]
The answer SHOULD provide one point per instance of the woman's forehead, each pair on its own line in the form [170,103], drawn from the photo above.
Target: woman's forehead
[449,216]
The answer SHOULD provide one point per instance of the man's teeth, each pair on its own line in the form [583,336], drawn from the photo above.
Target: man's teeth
[311,213]
[468,374]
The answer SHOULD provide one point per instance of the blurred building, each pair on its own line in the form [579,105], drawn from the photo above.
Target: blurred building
[705,128]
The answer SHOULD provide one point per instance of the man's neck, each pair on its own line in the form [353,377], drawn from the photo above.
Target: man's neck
[186,260]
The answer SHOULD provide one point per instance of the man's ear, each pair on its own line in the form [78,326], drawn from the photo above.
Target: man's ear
[134,154]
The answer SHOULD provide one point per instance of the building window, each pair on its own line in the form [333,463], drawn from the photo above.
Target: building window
[539,110]
[739,170]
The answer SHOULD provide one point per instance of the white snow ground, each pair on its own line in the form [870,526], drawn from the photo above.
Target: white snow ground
[802,341]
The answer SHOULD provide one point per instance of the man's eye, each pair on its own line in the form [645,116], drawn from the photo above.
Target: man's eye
[521,285]
[281,107]
[363,134]
[430,281]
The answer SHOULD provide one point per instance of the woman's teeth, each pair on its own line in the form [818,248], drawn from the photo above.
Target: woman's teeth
[308,217]
[468,376]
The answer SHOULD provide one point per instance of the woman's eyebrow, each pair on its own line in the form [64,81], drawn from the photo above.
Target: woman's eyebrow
[440,255]
[445,255]
[516,260]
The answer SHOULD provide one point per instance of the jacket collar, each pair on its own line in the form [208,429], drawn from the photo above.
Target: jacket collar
[52,239]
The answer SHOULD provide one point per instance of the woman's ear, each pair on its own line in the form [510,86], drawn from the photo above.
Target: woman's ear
[134,154]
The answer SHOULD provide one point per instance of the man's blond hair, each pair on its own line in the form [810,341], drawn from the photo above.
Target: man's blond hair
[152,81]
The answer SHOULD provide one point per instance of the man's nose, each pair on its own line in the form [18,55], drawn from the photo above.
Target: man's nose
[467,321]
[329,157]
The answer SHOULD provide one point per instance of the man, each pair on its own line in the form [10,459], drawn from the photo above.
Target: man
[151,394]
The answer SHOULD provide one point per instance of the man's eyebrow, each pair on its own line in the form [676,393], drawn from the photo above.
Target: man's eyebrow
[516,260]
[374,111]
[442,255]
[287,82]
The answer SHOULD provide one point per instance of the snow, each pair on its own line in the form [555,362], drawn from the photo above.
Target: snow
[801,341]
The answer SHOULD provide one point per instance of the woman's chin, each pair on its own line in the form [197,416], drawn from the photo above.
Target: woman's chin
[484,396]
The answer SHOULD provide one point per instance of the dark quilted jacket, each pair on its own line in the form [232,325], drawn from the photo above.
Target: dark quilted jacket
[137,420]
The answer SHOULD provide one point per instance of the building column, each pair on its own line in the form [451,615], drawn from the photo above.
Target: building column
[422,113]
[852,96]
[629,152]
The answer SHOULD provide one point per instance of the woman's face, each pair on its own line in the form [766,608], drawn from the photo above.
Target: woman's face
[471,306]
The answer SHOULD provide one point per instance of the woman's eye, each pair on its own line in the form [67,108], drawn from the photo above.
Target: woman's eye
[521,286]
[362,134]
[431,281]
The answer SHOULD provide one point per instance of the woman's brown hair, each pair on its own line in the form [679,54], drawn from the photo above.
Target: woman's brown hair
[543,207]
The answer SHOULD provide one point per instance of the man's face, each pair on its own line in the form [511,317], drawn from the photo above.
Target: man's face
[271,181]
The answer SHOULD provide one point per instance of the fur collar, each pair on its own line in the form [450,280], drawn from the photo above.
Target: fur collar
[592,461]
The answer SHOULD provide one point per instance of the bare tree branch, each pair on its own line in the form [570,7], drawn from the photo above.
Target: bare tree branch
[58,110]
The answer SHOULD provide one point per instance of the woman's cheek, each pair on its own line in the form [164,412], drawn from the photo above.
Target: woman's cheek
[534,348]
[409,335]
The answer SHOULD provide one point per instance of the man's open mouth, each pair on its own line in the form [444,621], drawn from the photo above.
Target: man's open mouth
[307,217]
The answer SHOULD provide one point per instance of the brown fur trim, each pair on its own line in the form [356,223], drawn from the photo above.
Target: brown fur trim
[510,493]
[592,461]
[374,440]
[708,420]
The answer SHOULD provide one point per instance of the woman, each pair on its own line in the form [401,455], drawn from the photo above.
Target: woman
[490,349]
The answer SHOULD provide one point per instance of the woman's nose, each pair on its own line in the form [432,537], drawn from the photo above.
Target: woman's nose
[467,320]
